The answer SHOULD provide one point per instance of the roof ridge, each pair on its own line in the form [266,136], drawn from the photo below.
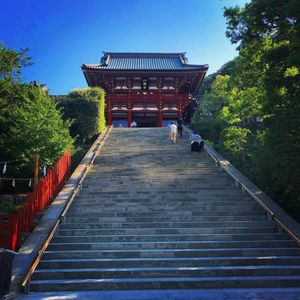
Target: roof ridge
[144,61]
[144,54]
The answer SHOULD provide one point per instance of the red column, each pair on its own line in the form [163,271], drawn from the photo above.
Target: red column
[13,231]
[179,114]
[109,117]
[160,114]
[129,117]
[160,118]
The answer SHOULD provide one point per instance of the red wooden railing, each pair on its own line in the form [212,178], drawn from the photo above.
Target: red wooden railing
[14,225]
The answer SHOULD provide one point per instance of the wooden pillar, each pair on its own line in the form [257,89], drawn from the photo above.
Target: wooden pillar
[109,117]
[160,115]
[36,170]
[160,118]
[179,113]
[129,116]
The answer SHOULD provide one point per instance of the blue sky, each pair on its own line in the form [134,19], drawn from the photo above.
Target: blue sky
[64,34]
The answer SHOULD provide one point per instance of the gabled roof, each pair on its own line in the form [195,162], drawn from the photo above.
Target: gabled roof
[144,61]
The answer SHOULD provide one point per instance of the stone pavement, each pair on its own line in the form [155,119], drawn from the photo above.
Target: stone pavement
[153,216]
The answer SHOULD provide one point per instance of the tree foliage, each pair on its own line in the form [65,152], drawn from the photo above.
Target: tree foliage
[35,126]
[12,63]
[30,123]
[85,107]
[234,140]
[259,120]
[212,101]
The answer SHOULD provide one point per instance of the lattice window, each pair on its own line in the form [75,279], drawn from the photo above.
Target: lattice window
[121,83]
[168,83]
[136,83]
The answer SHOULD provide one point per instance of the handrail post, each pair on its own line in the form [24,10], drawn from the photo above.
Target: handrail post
[279,228]
[63,219]
[243,189]
[269,216]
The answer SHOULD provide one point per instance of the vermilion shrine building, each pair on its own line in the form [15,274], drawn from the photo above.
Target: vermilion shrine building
[149,88]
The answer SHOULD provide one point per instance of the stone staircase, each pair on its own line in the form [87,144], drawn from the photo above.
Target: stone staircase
[151,215]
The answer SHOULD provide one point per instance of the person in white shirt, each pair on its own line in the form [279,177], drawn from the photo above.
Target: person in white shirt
[173,132]
[133,124]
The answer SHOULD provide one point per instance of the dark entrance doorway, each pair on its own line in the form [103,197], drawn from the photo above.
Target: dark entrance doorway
[145,119]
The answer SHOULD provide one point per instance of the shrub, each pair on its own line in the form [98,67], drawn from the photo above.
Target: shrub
[34,126]
[85,107]
[233,143]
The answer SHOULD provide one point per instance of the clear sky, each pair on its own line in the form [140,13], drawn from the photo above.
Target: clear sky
[64,34]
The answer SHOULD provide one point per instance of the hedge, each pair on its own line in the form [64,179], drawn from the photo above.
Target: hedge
[85,107]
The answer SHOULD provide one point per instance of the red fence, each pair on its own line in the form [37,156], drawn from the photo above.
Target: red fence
[14,225]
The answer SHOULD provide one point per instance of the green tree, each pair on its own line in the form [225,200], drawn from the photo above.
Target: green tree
[233,141]
[226,69]
[12,63]
[35,126]
[85,107]
[30,124]
[213,100]
[267,33]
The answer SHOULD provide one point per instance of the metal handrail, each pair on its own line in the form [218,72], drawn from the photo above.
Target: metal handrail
[28,274]
[252,195]
[266,208]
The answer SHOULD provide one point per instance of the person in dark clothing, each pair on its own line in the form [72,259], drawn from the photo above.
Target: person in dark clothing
[180,126]
[197,143]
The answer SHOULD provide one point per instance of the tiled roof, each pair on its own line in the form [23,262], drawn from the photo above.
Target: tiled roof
[144,61]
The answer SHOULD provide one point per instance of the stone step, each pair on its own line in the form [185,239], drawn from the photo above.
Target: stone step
[75,218]
[164,283]
[168,214]
[130,200]
[171,190]
[171,187]
[219,271]
[60,246]
[168,205]
[160,177]
[158,231]
[167,262]
[208,171]
[164,209]
[223,224]
[210,178]
[166,193]
[150,215]
[171,237]
[158,199]
[126,166]
[160,253]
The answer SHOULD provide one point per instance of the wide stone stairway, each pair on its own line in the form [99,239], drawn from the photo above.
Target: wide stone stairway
[151,215]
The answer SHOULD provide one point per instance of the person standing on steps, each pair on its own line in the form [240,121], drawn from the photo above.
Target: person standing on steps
[180,126]
[173,132]
[197,143]
[169,130]
[133,124]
